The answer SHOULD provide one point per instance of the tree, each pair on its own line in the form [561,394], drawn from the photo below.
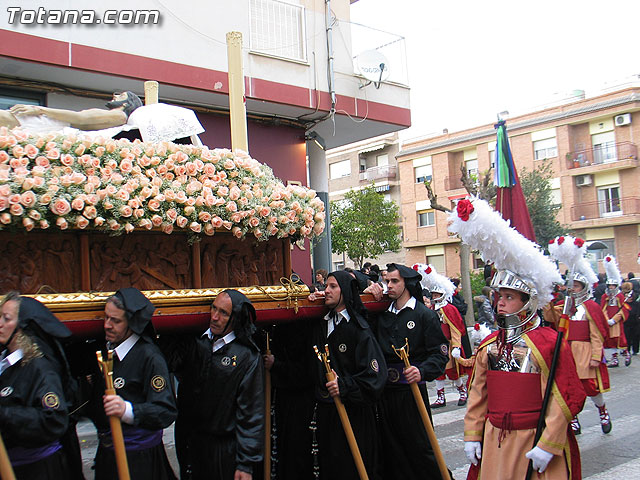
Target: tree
[364,225]
[536,186]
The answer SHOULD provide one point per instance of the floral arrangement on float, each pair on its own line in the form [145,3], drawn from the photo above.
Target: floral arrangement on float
[62,181]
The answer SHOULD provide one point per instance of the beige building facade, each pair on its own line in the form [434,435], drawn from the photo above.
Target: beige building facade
[592,145]
[359,165]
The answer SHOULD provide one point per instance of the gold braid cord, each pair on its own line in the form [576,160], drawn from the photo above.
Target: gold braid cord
[293,291]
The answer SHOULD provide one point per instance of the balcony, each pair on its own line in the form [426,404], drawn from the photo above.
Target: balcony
[606,154]
[378,173]
[604,209]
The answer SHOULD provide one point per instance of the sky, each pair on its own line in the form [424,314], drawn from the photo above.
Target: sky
[469,60]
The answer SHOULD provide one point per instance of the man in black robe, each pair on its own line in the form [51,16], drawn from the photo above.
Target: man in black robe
[144,401]
[225,370]
[292,365]
[358,363]
[33,410]
[407,452]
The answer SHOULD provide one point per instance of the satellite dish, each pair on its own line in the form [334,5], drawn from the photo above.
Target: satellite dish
[373,66]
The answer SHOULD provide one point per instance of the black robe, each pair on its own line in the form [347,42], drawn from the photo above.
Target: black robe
[358,361]
[141,378]
[405,445]
[292,378]
[227,404]
[33,418]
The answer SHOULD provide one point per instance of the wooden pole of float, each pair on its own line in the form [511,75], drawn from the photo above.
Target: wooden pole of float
[150,92]
[6,470]
[237,106]
[342,413]
[403,353]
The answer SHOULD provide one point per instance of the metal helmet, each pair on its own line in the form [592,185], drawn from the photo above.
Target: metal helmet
[580,296]
[517,323]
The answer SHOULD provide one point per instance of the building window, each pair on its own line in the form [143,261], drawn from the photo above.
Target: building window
[609,201]
[340,169]
[472,167]
[423,173]
[427,218]
[338,266]
[277,29]
[9,98]
[382,160]
[437,261]
[363,164]
[547,148]
[604,147]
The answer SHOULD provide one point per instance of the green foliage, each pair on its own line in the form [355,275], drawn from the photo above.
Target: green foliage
[364,225]
[536,186]
[477,282]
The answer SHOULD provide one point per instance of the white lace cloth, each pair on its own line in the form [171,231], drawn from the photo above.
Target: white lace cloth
[161,122]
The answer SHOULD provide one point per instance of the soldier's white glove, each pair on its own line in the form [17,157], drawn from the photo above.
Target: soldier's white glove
[473,451]
[611,322]
[455,353]
[540,458]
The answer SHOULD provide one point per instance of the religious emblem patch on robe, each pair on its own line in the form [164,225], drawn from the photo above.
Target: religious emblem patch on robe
[411,324]
[342,347]
[118,382]
[374,365]
[50,400]
[158,383]
[6,391]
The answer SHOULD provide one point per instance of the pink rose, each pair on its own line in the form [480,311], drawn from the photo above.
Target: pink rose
[67,160]
[138,213]
[122,195]
[227,224]
[195,227]
[31,151]
[82,222]
[28,224]
[60,207]
[5,218]
[125,211]
[90,212]
[265,211]
[156,220]
[44,224]
[16,210]
[113,225]
[167,228]
[128,227]
[204,216]
[172,214]
[107,205]
[77,204]
[145,223]
[99,221]
[45,199]
[62,223]
[209,229]
[231,207]
[257,233]
[4,157]
[28,199]
[34,215]
[236,218]
[236,232]
[153,205]
[126,166]
[216,222]
[189,210]
[181,221]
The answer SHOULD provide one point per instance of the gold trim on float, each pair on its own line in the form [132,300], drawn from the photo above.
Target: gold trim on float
[290,292]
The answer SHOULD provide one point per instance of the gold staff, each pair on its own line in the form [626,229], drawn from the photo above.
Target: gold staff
[267,417]
[403,353]
[116,427]
[6,470]
[346,425]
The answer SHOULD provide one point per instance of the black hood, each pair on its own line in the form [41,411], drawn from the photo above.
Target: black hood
[411,280]
[351,295]
[243,316]
[34,312]
[139,311]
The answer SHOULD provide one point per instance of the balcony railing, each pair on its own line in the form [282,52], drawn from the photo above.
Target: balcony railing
[613,207]
[452,183]
[605,153]
[378,173]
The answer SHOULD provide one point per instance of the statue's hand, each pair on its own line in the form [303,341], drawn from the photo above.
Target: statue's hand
[26,110]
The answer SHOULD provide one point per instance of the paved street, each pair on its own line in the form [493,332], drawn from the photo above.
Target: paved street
[604,457]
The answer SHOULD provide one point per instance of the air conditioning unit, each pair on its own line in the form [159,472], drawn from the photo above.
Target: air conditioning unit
[583,180]
[621,120]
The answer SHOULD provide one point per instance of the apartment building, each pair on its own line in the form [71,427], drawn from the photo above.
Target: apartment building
[359,165]
[592,144]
